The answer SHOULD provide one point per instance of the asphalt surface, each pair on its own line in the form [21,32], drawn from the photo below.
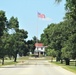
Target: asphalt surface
[34,67]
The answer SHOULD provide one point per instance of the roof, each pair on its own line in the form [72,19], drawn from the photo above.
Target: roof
[38,45]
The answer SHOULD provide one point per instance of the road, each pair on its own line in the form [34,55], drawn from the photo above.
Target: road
[34,67]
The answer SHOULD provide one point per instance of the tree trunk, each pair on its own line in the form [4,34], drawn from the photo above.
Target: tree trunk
[3,61]
[67,61]
[57,59]
[61,61]
[75,62]
[51,59]
[15,58]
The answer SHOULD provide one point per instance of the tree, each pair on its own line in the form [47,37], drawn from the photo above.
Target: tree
[3,20]
[51,52]
[3,47]
[13,23]
[19,45]
[53,38]
[31,44]
[70,16]
[21,36]
[3,35]
[13,43]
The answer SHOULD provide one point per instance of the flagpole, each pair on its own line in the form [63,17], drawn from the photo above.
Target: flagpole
[37,33]
[39,15]
[37,30]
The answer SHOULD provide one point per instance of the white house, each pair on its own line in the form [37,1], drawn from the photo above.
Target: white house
[39,49]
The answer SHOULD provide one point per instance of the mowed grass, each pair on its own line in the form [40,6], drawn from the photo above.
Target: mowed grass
[11,62]
[70,67]
[8,63]
[23,58]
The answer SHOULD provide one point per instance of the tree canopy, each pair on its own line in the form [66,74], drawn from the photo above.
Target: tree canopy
[61,37]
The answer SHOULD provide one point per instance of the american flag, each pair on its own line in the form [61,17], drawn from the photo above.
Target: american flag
[41,15]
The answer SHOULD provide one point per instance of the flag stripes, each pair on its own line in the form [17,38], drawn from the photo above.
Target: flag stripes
[41,15]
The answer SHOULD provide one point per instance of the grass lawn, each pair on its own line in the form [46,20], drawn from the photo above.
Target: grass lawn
[8,62]
[23,58]
[11,62]
[71,67]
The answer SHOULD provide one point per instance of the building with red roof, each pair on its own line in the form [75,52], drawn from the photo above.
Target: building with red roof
[39,49]
[38,44]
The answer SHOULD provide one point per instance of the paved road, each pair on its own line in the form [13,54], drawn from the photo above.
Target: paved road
[34,67]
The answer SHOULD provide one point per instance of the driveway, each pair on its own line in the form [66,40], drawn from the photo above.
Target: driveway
[34,67]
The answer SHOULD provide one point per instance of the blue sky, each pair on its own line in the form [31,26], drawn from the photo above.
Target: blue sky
[26,12]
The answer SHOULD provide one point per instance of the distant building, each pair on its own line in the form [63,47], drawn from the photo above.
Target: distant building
[39,49]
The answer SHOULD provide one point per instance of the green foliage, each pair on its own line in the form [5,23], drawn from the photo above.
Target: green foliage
[11,44]
[62,36]
[13,23]
[66,52]
[51,52]
[2,22]
[71,9]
